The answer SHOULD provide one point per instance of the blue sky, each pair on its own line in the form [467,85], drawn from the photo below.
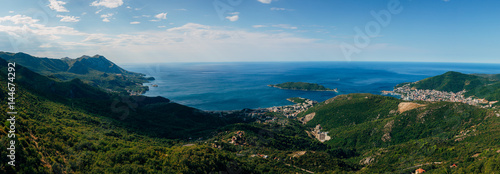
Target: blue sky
[145,31]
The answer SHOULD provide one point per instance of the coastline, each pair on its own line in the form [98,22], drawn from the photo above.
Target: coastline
[332,90]
[289,111]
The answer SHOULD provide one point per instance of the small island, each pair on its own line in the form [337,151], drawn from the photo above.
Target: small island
[303,86]
[297,100]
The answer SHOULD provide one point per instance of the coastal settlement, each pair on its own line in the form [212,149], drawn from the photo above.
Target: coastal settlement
[412,94]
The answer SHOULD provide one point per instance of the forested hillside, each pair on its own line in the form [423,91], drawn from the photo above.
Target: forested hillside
[485,86]
[397,136]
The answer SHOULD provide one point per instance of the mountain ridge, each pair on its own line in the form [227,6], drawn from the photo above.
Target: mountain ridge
[94,70]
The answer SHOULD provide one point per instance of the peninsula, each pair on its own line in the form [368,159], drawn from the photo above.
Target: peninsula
[303,86]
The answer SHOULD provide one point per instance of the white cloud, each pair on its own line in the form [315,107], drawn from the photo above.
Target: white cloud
[233,18]
[159,17]
[181,9]
[11,11]
[57,6]
[68,18]
[18,19]
[97,38]
[265,1]
[212,43]
[128,7]
[106,17]
[135,22]
[30,35]
[284,26]
[107,3]
[46,45]
[189,27]
[277,9]
[25,33]
[259,26]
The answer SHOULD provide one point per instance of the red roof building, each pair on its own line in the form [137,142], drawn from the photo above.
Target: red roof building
[419,171]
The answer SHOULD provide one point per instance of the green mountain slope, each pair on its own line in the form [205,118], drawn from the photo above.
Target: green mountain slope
[391,141]
[96,71]
[56,134]
[479,85]
[55,138]
[492,77]
[148,115]
[452,82]
[70,131]
[351,110]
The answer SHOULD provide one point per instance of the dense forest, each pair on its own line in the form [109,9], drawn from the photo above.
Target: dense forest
[431,135]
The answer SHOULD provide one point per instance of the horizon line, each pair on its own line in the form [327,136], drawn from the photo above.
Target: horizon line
[271,61]
[306,61]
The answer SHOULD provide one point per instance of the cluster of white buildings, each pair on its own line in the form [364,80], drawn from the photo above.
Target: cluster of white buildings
[320,135]
[291,111]
[410,94]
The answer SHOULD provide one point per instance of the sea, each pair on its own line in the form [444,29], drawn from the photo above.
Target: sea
[240,85]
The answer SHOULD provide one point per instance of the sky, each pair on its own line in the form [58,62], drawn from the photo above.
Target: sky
[147,31]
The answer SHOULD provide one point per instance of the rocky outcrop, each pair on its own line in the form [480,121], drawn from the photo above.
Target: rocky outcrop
[387,131]
[407,106]
[367,161]
[307,118]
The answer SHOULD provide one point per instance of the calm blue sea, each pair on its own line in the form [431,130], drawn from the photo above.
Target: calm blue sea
[234,86]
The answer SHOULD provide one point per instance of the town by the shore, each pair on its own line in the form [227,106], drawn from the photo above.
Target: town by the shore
[412,94]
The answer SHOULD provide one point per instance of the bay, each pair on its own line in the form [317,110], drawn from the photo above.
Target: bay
[239,85]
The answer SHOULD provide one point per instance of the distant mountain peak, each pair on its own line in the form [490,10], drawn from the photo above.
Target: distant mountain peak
[80,65]
[454,73]
[85,63]
[98,56]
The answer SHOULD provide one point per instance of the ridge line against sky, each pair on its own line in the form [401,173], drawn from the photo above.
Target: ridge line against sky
[133,31]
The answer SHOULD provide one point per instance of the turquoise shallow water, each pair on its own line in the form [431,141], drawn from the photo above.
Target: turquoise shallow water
[234,86]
